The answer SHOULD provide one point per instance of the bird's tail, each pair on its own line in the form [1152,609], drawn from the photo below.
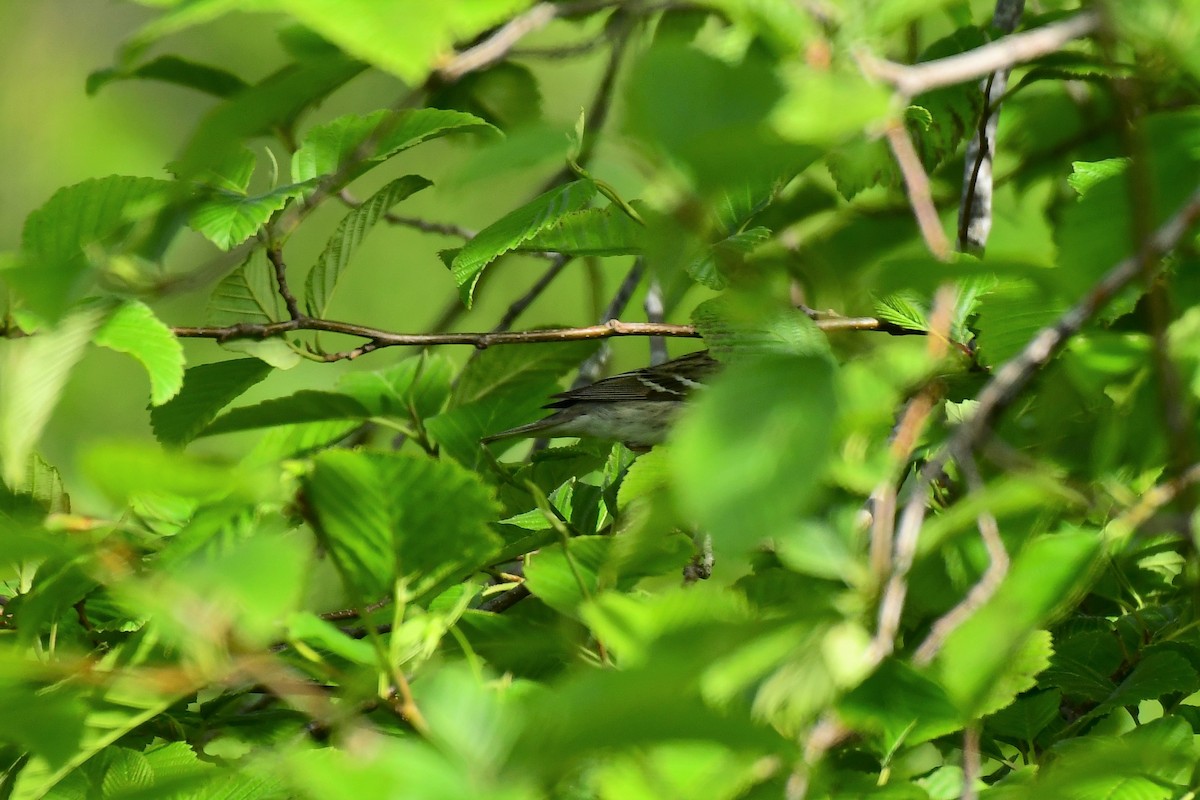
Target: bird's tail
[532,429]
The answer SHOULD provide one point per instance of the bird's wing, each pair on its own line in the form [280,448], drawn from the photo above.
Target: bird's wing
[669,381]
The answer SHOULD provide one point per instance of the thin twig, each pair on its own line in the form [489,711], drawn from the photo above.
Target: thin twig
[919,194]
[505,600]
[1001,54]
[423,225]
[378,339]
[526,300]
[496,46]
[984,589]
[275,254]
[971,766]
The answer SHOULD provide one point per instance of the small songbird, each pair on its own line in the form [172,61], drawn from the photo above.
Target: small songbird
[636,408]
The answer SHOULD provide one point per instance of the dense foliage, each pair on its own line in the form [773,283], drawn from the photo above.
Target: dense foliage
[935,539]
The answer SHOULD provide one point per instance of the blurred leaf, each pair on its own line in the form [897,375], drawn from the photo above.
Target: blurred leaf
[328,147]
[124,471]
[133,328]
[406,38]
[780,449]
[71,233]
[515,228]
[802,115]
[207,389]
[35,369]
[46,722]
[505,94]
[353,229]
[307,627]
[174,70]
[1044,576]
[274,102]
[1086,174]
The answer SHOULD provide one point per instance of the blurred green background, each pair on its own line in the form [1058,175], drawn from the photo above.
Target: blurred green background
[52,134]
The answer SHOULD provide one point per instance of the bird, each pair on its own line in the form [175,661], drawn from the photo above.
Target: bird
[636,408]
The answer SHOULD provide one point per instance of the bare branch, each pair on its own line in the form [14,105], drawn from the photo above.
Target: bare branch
[275,255]
[984,589]
[1001,54]
[919,194]
[496,46]
[998,392]
[526,300]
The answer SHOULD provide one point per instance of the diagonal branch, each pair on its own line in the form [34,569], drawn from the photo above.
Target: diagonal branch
[999,55]
[997,393]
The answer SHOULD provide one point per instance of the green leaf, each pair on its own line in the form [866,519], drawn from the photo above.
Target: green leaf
[246,295]
[1027,716]
[515,228]
[500,388]
[133,328]
[417,386]
[900,705]
[303,406]
[1086,174]
[383,517]
[738,325]
[35,369]
[904,309]
[335,258]
[406,38]
[983,654]
[49,724]
[802,114]
[73,232]
[229,218]
[1083,663]
[174,70]
[327,147]
[307,627]
[780,447]
[591,232]
[207,389]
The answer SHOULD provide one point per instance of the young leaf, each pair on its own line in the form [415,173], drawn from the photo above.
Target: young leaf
[515,228]
[133,328]
[326,147]
[229,218]
[335,258]
[206,390]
